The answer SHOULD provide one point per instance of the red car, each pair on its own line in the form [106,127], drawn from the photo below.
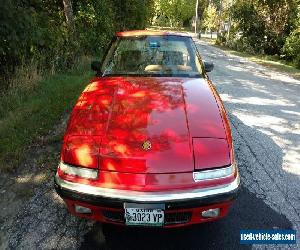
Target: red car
[148,142]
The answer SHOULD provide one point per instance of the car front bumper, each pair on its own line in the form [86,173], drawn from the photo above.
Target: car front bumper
[107,205]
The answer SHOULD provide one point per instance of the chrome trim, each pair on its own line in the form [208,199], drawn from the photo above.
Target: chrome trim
[137,196]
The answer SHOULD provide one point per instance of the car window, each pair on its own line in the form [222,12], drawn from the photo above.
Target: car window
[152,55]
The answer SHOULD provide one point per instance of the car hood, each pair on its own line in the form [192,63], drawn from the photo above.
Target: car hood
[142,125]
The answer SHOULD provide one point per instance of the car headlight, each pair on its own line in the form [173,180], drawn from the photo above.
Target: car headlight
[79,171]
[214,173]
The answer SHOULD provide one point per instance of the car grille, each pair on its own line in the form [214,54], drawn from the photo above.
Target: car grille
[170,218]
[177,218]
[116,216]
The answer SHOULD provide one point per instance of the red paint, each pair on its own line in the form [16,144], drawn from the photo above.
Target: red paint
[210,153]
[224,120]
[81,151]
[115,115]
[148,33]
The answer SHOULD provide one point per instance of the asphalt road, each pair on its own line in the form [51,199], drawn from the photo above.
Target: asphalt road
[264,110]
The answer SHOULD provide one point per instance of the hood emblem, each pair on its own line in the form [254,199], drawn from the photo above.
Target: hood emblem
[146,145]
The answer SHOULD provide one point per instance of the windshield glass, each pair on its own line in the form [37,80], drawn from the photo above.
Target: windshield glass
[152,55]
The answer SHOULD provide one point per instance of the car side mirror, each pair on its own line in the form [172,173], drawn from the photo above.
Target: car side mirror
[208,66]
[96,66]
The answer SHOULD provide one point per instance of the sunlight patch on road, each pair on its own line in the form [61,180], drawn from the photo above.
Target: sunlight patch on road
[281,77]
[290,112]
[29,178]
[275,127]
[57,199]
[235,68]
[263,121]
[292,161]
[255,101]
[24,179]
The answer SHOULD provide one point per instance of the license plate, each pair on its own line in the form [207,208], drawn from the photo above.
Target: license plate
[144,214]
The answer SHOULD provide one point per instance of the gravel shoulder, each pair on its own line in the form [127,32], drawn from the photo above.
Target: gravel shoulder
[264,110]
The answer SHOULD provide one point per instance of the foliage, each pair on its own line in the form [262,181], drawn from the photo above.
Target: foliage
[291,49]
[264,24]
[133,14]
[36,31]
[210,18]
[244,13]
[175,12]
[94,26]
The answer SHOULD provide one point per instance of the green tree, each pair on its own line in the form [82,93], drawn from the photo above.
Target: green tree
[175,11]
[264,24]
[95,25]
[210,21]
[42,32]
[291,48]
[132,14]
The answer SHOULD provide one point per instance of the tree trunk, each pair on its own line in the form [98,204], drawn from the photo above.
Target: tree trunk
[220,17]
[229,22]
[68,10]
[229,27]
[196,15]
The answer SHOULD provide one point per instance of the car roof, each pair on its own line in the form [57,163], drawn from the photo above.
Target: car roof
[150,33]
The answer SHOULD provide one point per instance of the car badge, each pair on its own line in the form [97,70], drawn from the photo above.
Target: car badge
[146,145]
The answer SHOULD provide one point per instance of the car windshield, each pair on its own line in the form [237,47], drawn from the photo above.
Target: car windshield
[152,56]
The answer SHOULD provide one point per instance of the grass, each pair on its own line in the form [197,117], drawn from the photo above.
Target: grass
[271,62]
[27,114]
